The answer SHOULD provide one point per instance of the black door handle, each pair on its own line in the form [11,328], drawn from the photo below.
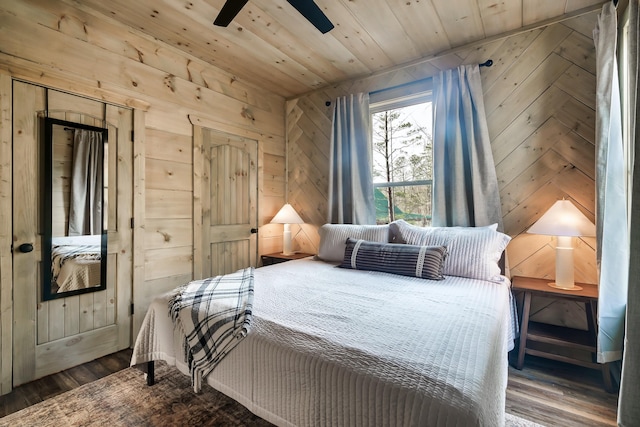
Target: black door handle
[254,230]
[25,247]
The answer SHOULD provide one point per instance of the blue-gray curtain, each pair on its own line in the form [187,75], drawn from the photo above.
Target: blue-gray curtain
[629,397]
[612,240]
[85,200]
[465,186]
[350,176]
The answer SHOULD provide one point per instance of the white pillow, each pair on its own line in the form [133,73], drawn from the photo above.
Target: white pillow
[333,238]
[474,252]
[401,231]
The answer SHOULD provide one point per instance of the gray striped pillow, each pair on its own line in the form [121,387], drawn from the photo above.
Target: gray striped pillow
[407,260]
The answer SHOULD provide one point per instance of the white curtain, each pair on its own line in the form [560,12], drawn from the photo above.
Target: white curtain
[465,186]
[350,176]
[85,205]
[629,397]
[612,246]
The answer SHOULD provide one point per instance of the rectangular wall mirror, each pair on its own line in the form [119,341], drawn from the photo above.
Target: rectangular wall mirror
[74,216]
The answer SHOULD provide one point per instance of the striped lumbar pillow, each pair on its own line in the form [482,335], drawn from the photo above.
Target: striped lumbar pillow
[407,260]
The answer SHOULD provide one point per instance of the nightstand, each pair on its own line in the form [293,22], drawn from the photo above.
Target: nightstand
[277,258]
[549,341]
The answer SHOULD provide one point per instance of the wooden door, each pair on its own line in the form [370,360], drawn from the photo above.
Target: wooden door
[50,336]
[229,203]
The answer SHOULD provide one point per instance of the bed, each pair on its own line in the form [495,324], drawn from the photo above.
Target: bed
[76,262]
[344,346]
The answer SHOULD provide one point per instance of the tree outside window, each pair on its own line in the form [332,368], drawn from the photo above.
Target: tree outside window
[403,164]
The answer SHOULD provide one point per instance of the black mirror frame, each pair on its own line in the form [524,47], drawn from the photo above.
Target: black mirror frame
[47,212]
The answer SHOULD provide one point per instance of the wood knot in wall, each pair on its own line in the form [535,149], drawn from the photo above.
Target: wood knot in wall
[247,114]
[170,82]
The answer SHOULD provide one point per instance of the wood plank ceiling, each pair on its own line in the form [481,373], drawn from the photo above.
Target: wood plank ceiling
[269,44]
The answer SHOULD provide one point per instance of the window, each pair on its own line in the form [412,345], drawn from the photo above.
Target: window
[403,158]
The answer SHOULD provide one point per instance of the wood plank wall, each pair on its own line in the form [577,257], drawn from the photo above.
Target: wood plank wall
[540,101]
[69,47]
[61,180]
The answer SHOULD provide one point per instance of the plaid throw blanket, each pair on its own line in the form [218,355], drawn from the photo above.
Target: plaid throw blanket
[214,314]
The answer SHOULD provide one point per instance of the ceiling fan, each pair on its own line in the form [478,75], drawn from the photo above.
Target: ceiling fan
[308,8]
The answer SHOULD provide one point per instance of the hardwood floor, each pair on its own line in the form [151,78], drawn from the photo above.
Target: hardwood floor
[53,385]
[560,394]
[547,392]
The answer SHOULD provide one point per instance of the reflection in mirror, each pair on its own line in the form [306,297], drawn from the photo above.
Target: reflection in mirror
[74,245]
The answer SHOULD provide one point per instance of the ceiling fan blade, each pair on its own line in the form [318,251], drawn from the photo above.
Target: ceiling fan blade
[310,10]
[229,11]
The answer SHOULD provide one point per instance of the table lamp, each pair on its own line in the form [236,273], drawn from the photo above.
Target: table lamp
[565,221]
[287,216]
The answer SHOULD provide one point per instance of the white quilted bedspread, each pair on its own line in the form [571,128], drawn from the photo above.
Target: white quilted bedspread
[340,347]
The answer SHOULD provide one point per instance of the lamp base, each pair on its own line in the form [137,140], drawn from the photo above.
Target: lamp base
[286,240]
[556,286]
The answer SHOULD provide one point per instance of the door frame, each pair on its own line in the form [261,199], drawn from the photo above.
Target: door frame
[199,124]
[6,233]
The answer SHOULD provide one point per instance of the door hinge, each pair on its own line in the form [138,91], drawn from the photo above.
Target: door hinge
[132,311]
[133,223]
[132,134]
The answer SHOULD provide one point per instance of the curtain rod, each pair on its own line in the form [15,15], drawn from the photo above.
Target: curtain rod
[487,63]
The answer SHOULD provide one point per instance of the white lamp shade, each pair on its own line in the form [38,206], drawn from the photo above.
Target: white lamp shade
[287,215]
[563,219]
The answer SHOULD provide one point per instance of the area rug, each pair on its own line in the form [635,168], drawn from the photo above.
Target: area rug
[124,399]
